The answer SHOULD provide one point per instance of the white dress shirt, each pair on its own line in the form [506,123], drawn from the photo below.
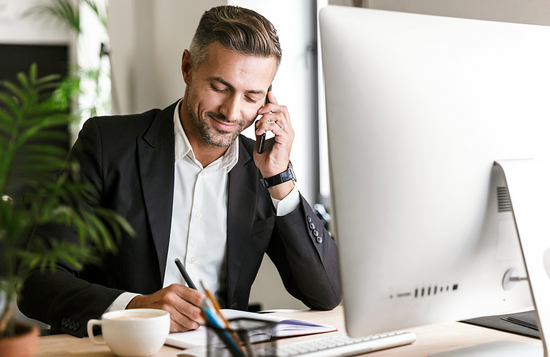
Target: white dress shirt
[198,231]
[199,216]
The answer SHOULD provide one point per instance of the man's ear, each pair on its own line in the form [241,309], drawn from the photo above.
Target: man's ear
[186,66]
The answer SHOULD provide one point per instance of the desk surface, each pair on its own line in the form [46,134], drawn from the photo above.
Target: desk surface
[430,339]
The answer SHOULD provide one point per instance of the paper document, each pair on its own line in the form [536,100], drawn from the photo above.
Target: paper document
[284,328]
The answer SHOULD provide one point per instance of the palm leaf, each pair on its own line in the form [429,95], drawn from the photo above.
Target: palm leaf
[102,17]
[62,11]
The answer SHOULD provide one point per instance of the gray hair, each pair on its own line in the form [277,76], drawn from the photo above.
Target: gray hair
[239,29]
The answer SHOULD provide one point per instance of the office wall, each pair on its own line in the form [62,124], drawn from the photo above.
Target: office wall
[14,28]
[536,12]
[147,42]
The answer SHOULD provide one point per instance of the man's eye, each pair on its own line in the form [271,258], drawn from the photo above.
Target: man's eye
[216,89]
[250,100]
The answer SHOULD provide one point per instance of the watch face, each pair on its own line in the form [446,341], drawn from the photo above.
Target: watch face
[291,168]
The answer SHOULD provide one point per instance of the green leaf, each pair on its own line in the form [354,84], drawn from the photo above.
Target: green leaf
[20,94]
[23,79]
[62,11]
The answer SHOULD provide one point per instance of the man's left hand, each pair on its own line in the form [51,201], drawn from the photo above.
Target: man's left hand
[276,154]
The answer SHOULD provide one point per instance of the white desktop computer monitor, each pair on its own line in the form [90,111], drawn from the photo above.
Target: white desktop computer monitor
[419,108]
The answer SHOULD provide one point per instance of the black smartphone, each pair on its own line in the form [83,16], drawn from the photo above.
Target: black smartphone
[262,138]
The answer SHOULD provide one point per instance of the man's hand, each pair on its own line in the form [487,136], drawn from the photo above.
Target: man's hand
[276,155]
[181,302]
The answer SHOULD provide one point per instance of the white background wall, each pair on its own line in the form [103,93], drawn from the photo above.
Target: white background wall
[16,29]
[536,12]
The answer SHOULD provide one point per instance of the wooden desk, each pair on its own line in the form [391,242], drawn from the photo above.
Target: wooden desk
[430,339]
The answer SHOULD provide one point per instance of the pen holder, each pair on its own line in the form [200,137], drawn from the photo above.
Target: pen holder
[244,338]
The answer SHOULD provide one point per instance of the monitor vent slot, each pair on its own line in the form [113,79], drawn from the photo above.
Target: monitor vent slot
[424,291]
[504,203]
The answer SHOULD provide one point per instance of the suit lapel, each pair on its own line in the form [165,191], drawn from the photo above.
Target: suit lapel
[156,167]
[241,204]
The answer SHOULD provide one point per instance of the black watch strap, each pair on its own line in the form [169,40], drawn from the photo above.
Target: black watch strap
[280,178]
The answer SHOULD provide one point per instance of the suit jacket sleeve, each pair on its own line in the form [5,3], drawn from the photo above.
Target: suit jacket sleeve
[306,258]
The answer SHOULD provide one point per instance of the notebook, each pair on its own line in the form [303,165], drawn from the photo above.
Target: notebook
[284,328]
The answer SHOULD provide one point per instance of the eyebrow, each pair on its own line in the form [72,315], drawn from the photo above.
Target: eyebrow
[227,84]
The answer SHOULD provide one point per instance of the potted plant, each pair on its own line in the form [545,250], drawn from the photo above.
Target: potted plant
[34,142]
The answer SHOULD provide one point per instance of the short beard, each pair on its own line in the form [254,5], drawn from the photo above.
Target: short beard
[208,136]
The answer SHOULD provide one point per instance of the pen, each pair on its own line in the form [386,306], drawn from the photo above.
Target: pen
[186,276]
[215,303]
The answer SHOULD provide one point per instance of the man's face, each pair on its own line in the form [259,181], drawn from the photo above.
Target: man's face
[224,94]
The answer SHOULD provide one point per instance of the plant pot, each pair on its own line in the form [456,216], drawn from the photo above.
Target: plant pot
[23,344]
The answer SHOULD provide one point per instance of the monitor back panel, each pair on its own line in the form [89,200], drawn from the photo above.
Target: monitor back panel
[418,108]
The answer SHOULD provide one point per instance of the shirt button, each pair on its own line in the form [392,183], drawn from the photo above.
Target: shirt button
[315,233]
[198,215]
[312,226]
[203,173]
[193,260]
[319,240]
[309,219]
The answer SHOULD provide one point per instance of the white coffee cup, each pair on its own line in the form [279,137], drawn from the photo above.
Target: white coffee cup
[132,332]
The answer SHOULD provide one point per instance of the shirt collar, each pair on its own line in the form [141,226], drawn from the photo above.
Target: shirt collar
[183,148]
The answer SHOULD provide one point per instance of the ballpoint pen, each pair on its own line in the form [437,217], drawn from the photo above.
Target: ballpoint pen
[186,276]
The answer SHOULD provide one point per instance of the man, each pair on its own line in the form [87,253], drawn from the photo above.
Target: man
[191,187]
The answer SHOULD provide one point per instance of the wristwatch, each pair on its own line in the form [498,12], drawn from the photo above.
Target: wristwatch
[280,178]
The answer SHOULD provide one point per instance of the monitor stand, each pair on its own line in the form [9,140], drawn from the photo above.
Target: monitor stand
[529,190]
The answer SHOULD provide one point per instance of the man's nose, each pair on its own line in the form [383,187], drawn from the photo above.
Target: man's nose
[230,108]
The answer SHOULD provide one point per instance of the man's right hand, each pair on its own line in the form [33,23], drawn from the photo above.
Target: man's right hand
[181,302]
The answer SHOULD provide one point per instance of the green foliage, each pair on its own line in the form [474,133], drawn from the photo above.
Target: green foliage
[33,147]
[83,81]
[102,16]
[65,12]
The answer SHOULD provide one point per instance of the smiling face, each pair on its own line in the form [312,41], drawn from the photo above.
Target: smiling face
[223,95]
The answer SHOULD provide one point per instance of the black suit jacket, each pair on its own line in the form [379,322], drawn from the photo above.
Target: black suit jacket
[130,162]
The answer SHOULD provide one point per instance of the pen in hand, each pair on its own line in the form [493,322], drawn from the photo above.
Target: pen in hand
[186,276]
